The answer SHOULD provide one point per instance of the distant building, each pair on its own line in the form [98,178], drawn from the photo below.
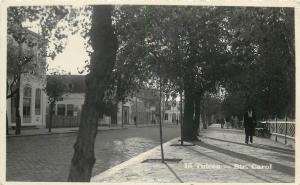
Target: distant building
[144,106]
[32,104]
[172,112]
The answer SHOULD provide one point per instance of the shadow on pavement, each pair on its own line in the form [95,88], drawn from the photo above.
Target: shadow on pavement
[276,166]
[227,164]
[260,146]
[174,173]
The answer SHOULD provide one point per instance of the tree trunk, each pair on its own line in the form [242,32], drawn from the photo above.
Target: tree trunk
[52,104]
[205,123]
[181,119]
[122,119]
[197,113]
[104,44]
[17,104]
[7,132]
[160,125]
[114,115]
[188,120]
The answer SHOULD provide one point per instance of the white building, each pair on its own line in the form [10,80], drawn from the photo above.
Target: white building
[143,106]
[33,102]
[172,112]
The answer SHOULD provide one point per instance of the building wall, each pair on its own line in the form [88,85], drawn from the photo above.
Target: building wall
[139,107]
[172,114]
[35,120]
[75,99]
[34,80]
[126,105]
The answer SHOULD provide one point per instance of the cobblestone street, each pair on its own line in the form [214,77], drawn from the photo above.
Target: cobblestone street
[220,156]
[48,157]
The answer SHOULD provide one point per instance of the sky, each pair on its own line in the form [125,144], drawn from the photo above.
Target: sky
[73,56]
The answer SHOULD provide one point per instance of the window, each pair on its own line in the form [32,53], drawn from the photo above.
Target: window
[173,117]
[166,116]
[70,86]
[167,106]
[27,104]
[61,109]
[38,102]
[70,110]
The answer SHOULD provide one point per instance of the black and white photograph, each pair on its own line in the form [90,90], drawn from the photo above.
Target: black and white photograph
[149,93]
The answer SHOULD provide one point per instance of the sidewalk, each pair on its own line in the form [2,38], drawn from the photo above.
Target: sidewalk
[44,131]
[221,156]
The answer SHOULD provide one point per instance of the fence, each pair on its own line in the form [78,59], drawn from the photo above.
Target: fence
[63,121]
[282,128]
[72,121]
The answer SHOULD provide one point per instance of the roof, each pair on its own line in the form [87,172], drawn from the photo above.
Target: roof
[74,83]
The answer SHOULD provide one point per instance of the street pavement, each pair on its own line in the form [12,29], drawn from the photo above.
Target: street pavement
[48,157]
[220,156]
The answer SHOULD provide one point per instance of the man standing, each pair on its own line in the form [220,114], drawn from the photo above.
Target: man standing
[249,124]
[134,119]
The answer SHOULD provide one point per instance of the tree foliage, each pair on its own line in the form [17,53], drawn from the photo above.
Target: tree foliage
[51,21]
[55,89]
[262,48]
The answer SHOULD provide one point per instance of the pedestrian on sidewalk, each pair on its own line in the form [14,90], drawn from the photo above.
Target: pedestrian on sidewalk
[222,123]
[134,119]
[249,124]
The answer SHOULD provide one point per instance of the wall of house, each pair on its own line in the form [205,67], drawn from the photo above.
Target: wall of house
[75,99]
[128,104]
[34,119]
[169,112]
[34,79]
[134,106]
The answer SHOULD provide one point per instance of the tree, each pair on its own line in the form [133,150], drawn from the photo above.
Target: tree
[55,88]
[20,62]
[262,46]
[185,58]
[193,53]
[104,44]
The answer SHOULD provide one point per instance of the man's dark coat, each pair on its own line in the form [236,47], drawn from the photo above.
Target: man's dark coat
[249,124]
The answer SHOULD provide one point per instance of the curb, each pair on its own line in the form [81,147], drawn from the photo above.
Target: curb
[137,159]
[41,134]
[55,133]
[75,131]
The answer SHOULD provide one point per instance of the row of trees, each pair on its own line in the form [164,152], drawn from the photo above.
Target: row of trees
[265,48]
[181,50]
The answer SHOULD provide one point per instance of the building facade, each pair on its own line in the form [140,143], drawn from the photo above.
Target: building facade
[142,108]
[172,112]
[32,104]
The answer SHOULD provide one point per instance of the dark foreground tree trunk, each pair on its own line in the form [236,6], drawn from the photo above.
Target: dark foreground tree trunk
[104,44]
[188,119]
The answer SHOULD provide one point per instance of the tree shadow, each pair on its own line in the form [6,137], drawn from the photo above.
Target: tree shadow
[174,173]
[275,166]
[227,164]
[260,146]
